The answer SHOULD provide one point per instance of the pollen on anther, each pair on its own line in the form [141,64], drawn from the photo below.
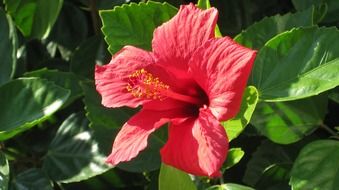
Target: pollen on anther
[142,84]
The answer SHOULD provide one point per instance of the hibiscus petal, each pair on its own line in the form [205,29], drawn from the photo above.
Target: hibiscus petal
[132,138]
[221,67]
[175,41]
[198,146]
[111,79]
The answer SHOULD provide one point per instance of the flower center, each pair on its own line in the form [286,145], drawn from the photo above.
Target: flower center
[142,84]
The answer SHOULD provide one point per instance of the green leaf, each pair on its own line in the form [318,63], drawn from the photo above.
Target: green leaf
[234,156]
[333,7]
[26,102]
[205,4]
[106,122]
[8,48]
[171,178]
[269,155]
[236,125]
[4,172]
[317,166]
[70,29]
[259,33]
[73,154]
[86,55]
[31,179]
[229,186]
[34,18]
[288,122]
[133,24]
[334,95]
[66,80]
[297,64]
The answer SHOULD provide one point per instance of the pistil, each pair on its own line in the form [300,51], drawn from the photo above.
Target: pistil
[142,84]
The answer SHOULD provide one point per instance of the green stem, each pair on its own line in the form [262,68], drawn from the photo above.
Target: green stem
[330,131]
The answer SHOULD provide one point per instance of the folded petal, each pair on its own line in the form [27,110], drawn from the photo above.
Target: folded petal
[132,138]
[221,67]
[175,41]
[111,80]
[198,146]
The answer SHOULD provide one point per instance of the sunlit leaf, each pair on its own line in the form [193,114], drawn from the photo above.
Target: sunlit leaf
[288,122]
[260,32]
[297,64]
[236,125]
[317,166]
[34,18]
[4,172]
[26,102]
[229,186]
[66,80]
[133,24]
[171,178]
[73,154]
[234,156]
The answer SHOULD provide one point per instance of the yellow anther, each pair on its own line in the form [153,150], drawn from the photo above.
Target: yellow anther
[143,84]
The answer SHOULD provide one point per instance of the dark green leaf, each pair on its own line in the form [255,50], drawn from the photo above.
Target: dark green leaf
[4,172]
[317,166]
[86,56]
[229,186]
[333,7]
[288,122]
[334,95]
[171,178]
[70,29]
[297,64]
[34,18]
[8,47]
[26,102]
[133,24]
[275,177]
[107,121]
[73,154]
[234,156]
[259,33]
[66,80]
[236,125]
[104,121]
[32,179]
[269,155]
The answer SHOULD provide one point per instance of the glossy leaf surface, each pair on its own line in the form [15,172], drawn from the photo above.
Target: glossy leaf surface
[8,47]
[32,99]
[4,172]
[172,178]
[119,30]
[297,64]
[288,122]
[317,166]
[236,125]
[73,154]
[34,18]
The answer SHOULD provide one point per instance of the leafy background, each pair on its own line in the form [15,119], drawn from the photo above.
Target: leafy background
[55,134]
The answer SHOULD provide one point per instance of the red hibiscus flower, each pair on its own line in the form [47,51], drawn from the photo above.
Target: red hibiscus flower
[190,80]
